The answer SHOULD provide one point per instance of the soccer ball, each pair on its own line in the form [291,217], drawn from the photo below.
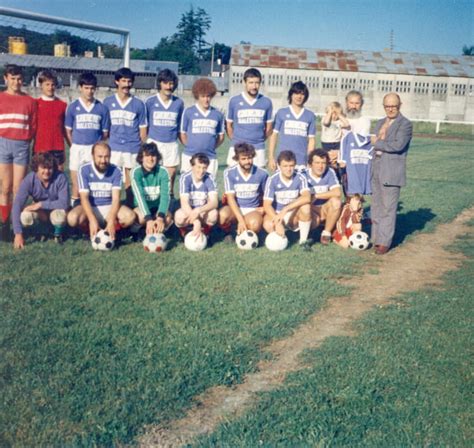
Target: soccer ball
[247,240]
[155,242]
[359,241]
[275,242]
[102,241]
[195,244]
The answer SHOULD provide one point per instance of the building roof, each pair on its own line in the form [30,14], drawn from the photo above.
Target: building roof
[85,64]
[353,61]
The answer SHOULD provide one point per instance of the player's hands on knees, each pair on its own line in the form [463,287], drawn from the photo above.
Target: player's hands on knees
[272,164]
[33,207]
[280,217]
[110,227]
[19,241]
[150,227]
[159,225]
[241,226]
[93,228]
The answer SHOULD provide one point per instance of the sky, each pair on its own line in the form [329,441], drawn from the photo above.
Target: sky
[421,26]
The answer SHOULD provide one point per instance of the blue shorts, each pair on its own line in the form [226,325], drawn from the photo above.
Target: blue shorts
[14,151]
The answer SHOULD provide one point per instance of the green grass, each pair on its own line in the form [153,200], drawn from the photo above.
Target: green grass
[405,380]
[93,346]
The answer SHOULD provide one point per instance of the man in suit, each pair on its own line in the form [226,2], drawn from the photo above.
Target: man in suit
[391,141]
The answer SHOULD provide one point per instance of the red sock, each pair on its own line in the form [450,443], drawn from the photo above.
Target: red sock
[207,229]
[5,212]
[117,226]
[183,231]
[226,228]
[84,227]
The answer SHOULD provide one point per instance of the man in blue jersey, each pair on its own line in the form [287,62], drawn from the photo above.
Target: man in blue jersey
[244,186]
[325,193]
[100,184]
[198,198]
[202,127]
[249,118]
[286,201]
[295,127]
[128,125]
[164,112]
[87,122]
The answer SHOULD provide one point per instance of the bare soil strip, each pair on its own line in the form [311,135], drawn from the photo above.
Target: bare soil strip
[417,264]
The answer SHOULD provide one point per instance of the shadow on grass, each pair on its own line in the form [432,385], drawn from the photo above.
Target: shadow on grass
[410,222]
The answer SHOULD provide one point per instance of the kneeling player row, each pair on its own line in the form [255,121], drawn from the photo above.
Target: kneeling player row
[298,201]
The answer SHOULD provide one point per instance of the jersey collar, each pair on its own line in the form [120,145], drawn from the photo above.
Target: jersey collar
[293,112]
[250,101]
[123,105]
[87,108]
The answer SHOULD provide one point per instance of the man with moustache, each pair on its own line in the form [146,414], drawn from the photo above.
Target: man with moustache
[359,123]
[249,118]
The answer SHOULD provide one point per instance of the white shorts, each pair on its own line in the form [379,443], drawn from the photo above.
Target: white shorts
[286,220]
[123,159]
[78,155]
[247,210]
[186,165]
[260,159]
[101,213]
[169,152]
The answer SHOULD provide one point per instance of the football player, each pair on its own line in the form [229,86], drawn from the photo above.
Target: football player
[100,184]
[295,127]
[198,198]
[164,118]
[249,118]
[202,127]
[244,186]
[286,201]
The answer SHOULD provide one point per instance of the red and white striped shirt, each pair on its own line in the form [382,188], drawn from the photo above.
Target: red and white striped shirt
[17,116]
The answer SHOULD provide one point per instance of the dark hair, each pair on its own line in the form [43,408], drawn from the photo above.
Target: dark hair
[102,143]
[355,93]
[87,79]
[45,159]
[318,152]
[149,149]
[298,87]
[287,156]
[167,75]
[204,86]
[47,75]
[252,73]
[124,72]
[201,158]
[244,149]
[13,70]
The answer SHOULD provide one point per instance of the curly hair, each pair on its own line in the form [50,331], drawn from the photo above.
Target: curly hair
[149,149]
[44,159]
[245,149]
[204,86]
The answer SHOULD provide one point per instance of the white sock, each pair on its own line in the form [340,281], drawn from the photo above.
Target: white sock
[326,233]
[305,227]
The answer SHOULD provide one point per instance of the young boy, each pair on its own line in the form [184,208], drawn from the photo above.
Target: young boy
[202,127]
[150,186]
[87,122]
[50,132]
[198,197]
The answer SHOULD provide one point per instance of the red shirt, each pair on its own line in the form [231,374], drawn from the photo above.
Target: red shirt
[17,116]
[50,125]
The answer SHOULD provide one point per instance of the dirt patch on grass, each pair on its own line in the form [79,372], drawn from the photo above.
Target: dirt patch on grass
[417,264]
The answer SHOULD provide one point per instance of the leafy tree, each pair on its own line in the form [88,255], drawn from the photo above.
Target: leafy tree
[174,49]
[468,51]
[192,28]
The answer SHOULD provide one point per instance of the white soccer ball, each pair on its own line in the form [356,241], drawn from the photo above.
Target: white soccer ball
[102,241]
[359,241]
[155,242]
[275,242]
[196,244]
[247,240]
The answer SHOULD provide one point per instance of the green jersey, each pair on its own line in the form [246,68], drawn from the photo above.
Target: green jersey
[151,191]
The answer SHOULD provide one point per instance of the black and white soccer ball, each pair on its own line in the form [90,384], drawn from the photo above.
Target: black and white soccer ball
[102,241]
[247,240]
[359,241]
[155,242]
[275,242]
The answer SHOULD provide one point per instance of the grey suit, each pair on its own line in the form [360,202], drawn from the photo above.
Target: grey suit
[388,176]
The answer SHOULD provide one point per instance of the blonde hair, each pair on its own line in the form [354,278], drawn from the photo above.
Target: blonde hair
[335,105]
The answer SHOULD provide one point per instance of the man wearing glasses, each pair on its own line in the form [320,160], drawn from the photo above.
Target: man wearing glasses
[391,141]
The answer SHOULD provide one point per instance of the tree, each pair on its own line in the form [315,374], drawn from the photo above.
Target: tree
[468,51]
[192,28]
[174,49]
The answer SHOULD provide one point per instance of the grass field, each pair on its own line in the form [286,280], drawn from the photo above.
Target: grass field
[96,345]
[405,380]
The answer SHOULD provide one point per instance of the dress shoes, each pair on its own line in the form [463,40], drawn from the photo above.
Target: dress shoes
[381,250]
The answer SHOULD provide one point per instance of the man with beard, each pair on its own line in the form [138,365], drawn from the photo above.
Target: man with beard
[100,184]
[249,118]
[359,124]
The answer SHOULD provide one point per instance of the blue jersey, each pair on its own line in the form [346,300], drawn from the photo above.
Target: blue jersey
[164,119]
[126,120]
[356,153]
[294,130]
[87,122]
[197,192]
[248,190]
[99,185]
[249,118]
[282,192]
[328,181]
[202,129]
